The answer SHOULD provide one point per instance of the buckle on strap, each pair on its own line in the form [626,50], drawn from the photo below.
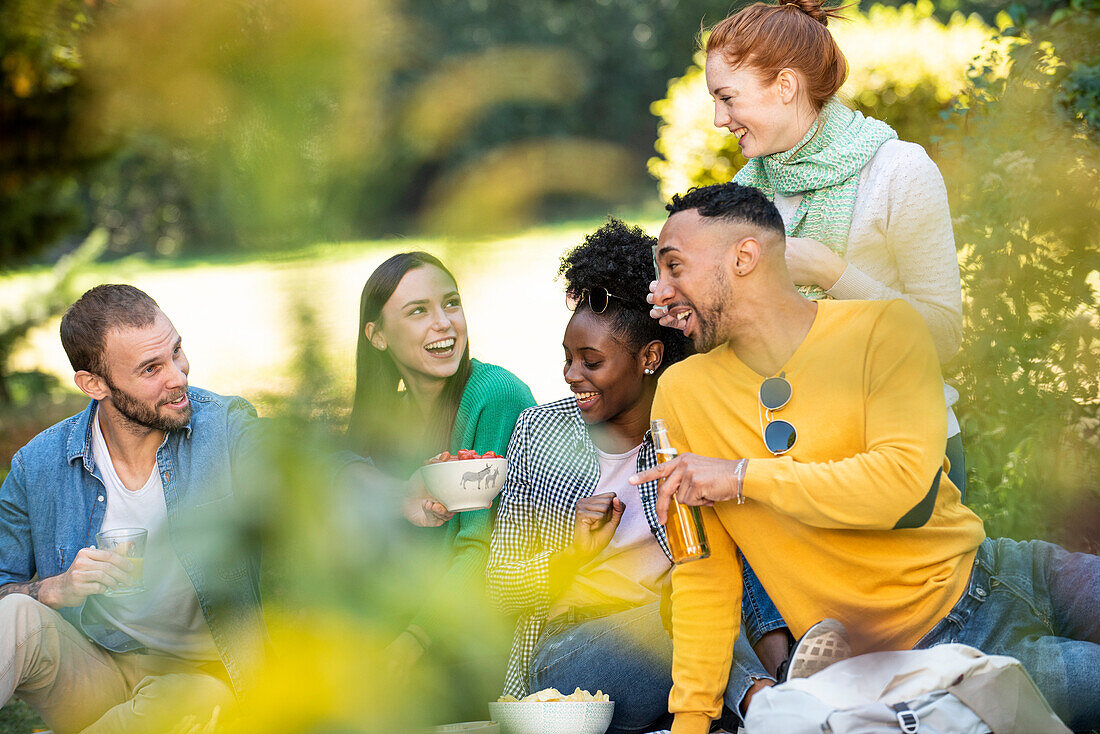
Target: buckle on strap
[908,721]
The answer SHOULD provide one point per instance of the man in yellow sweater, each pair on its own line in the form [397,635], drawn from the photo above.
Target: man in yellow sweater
[830,476]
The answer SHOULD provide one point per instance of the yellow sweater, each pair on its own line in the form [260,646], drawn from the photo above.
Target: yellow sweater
[819,523]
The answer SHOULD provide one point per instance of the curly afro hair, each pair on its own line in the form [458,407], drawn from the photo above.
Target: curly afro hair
[620,258]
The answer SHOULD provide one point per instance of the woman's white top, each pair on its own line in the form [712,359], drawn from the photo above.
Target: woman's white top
[632,570]
[901,245]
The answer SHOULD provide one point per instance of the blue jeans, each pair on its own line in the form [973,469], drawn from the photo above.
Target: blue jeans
[627,655]
[758,614]
[1040,604]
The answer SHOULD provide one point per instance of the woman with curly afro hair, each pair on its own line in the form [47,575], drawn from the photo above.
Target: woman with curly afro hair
[577,551]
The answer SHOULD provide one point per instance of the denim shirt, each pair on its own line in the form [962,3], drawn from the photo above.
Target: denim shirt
[53,501]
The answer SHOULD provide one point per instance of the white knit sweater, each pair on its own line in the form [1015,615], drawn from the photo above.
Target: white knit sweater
[901,245]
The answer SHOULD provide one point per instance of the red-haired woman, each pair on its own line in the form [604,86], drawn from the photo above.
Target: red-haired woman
[866,214]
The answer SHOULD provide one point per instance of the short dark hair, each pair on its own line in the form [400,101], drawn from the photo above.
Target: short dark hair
[620,258]
[85,324]
[731,202]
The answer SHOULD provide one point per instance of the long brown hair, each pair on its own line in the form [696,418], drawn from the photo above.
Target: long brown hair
[383,424]
[769,38]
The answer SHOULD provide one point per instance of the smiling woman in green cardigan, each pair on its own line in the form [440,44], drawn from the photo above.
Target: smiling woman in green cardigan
[417,393]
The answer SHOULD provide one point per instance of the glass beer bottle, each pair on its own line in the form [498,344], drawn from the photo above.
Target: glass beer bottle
[687,541]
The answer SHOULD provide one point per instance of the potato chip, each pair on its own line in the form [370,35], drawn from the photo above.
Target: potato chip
[546,695]
[553,695]
[585,696]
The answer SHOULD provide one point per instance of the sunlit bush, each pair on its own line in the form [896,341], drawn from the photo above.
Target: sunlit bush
[905,68]
[1022,166]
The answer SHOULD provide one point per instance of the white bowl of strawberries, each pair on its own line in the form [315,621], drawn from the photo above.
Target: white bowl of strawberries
[466,480]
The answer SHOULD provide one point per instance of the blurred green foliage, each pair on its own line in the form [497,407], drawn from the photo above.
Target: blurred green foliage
[50,300]
[627,49]
[154,197]
[1023,170]
[905,67]
[41,156]
[987,9]
[343,573]
[18,718]
[260,110]
[263,124]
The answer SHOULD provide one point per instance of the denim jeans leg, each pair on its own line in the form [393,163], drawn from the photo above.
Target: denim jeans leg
[626,655]
[1019,603]
[757,610]
[1074,580]
[745,670]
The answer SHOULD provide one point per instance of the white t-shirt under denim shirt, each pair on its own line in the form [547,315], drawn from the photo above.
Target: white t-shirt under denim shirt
[166,617]
[901,245]
[632,570]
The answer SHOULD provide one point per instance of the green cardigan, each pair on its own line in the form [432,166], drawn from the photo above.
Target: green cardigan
[491,403]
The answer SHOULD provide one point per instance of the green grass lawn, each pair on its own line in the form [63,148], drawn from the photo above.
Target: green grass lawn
[241,314]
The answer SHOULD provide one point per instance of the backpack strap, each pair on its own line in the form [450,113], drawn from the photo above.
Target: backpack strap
[908,720]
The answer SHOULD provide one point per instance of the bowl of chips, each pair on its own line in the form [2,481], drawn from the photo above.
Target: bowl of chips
[466,480]
[551,712]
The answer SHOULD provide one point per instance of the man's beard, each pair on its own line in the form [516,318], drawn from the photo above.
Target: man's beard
[145,415]
[706,335]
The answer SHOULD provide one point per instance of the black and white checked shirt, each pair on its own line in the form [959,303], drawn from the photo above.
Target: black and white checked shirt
[552,463]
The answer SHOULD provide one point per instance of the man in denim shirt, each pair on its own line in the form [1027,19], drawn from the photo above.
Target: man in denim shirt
[147,452]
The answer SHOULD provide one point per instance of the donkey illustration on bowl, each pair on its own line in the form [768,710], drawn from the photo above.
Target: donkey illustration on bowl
[481,479]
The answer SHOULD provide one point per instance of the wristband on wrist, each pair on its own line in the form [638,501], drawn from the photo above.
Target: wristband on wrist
[739,475]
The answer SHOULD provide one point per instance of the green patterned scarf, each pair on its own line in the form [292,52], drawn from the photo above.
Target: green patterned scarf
[824,167]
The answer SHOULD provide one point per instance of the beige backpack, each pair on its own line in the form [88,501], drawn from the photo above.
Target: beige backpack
[947,689]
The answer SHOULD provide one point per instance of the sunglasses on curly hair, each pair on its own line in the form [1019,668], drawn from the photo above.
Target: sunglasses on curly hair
[597,299]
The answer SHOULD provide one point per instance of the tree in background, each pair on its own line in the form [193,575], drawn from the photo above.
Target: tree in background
[41,157]
[262,109]
[337,120]
[1022,164]
[627,51]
